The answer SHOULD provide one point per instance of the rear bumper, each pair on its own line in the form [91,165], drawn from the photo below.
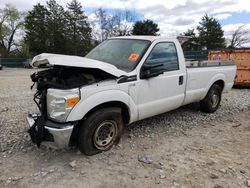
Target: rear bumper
[43,130]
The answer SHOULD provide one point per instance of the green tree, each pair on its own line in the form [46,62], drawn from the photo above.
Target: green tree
[189,40]
[56,28]
[210,33]
[146,27]
[190,33]
[52,29]
[36,25]
[78,30]
[11,22]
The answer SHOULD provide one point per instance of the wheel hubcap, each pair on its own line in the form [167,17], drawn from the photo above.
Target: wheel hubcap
[215,100]
[105,134]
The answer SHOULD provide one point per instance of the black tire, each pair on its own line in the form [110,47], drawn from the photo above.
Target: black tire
[100,131]
[212,100]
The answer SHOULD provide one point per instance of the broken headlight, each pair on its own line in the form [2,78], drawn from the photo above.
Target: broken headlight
[61,102]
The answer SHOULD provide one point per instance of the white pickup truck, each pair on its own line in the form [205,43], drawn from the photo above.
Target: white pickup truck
[87,100]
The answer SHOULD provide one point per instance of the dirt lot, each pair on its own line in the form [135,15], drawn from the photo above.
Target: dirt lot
[183,148]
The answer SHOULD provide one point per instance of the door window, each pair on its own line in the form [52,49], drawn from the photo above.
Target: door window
[164,53]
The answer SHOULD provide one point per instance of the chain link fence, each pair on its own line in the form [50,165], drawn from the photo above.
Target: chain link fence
[14,62]
[23,62]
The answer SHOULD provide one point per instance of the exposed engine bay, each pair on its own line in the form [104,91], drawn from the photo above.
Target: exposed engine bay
[64,77]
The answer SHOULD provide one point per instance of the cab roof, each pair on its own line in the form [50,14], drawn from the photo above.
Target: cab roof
[144,37]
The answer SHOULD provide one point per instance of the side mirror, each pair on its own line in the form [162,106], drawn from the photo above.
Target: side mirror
[147,71]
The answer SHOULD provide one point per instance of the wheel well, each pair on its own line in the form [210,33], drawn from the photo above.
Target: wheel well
[220,83]
[124,108]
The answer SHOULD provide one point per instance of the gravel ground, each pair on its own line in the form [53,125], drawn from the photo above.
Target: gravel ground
[182,148]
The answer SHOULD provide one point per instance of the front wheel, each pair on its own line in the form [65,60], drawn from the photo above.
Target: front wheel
[212,100]
[100,131]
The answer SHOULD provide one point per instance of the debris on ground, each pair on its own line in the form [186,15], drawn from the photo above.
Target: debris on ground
[144,159]
[72,164]
[5,109]
[248,183]
[236,125]
[214,176]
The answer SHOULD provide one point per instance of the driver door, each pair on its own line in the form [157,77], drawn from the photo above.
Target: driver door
[160,88]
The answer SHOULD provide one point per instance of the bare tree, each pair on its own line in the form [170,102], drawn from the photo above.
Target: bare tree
[239,37]
[124,20]
[102,21]
[11,20]
[117,24]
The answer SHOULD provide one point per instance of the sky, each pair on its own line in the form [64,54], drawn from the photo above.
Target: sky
[172,16]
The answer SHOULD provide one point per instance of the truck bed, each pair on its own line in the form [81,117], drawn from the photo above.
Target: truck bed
[197,64]
[201,74]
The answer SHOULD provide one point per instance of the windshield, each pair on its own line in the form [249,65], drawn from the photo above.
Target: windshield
[124,54]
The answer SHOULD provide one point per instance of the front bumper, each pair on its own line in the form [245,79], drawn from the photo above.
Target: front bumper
[43,130]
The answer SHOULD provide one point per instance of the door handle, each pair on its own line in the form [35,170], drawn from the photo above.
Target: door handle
[181,78]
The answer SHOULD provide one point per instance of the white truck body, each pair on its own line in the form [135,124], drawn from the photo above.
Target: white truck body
[143,97]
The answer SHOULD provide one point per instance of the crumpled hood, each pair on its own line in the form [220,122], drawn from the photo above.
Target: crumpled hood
[75,61]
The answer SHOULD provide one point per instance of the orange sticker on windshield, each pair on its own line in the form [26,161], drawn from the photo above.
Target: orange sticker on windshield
[133,57]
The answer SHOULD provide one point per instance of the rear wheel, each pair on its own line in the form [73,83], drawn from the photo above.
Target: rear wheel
[212,100]
[100,131]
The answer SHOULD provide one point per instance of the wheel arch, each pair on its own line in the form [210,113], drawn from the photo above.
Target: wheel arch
[119,104]
[104,98]
[217,79]
[221,83]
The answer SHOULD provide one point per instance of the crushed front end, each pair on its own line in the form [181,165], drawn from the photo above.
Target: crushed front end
[52,97]
[57,93]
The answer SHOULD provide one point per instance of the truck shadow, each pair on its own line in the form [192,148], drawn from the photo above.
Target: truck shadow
[170,119]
